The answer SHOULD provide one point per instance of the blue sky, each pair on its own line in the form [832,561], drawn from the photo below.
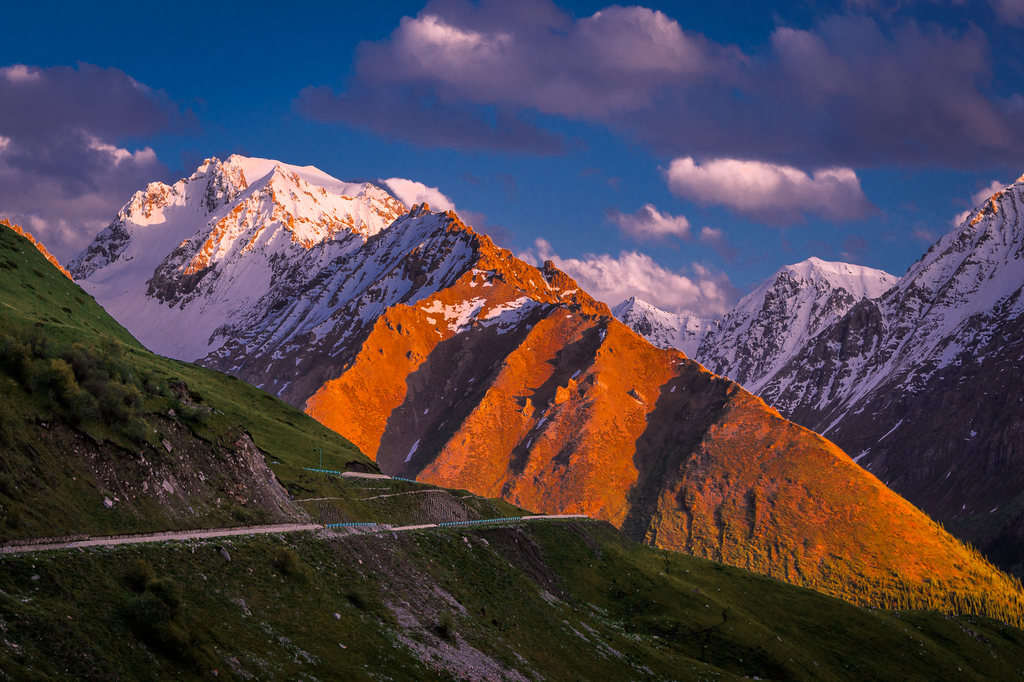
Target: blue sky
[680,151]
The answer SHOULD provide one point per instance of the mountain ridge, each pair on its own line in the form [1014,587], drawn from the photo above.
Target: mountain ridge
[682,331]
[448,359]
[415,604]
[918,381]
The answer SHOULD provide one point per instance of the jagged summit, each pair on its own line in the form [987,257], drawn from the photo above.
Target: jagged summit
[976,266]
[859,280]
[664,329]
[211,245]
[945,306]
[790,306]
[768,325]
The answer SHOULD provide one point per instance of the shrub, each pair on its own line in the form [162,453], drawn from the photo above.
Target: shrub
[198,414]
[53,376]
[15,359]
[138,431]
[356,596]
[288,563]
[140,573]
[445,628]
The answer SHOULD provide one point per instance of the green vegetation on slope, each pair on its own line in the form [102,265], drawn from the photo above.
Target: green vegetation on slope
[550,600]
[86,412]
[336,499]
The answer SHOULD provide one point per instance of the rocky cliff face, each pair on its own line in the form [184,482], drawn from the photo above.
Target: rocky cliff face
[447,359]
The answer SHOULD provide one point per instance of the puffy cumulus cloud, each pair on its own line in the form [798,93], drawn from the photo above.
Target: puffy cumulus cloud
[614,279]
[462,74]
[985,192]
[649,222]
[118,155]
[849,90]
[19,73]
[410,192]
[543,59]
[63,173]
[767,191]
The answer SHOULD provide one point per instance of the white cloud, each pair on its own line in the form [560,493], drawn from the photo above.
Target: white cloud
[768,191]
[440,47]
[958,220]
[63,170]
[613,60]
[117,154]
[985,192]
[410,192]
[19,73]
[710,235]
[977,199]
[632,273]
[649,222]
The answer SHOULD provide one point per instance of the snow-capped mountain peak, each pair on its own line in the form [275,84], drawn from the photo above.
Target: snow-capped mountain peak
[768,325]
[229,232]
[664,329]
[976,266]
[858,280]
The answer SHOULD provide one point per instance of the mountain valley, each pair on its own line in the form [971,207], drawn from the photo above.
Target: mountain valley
[358,600]
[446,359]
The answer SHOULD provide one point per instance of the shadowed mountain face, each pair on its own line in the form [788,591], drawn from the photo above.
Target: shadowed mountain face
[446,358]
[917,377]
[923,384]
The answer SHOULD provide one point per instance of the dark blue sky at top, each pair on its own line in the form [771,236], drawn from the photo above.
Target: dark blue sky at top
[291,82]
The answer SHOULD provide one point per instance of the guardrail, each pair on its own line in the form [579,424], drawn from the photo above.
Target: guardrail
[351,524]
[478,521]
[324,471]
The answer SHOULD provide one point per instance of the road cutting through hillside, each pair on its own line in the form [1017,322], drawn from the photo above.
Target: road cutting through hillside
[50,544]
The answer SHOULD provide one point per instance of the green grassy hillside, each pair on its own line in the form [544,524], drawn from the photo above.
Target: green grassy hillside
[548,600]
[92,425]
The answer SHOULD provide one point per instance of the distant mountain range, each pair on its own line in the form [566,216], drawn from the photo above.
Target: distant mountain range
[662,328]
[919,377]
[447,359]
